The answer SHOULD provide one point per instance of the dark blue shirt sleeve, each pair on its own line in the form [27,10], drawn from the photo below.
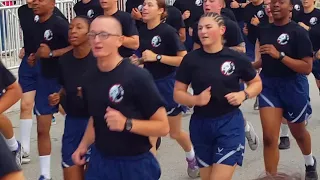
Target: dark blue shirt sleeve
[303,44]
[195,36]
[147,95]
[233,35]
[175,42]
[7,77]
[247,72]
[184,73]
[62,29]
[129,26]
[58,13]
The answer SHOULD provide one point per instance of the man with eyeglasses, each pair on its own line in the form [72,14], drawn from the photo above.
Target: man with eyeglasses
[125,108]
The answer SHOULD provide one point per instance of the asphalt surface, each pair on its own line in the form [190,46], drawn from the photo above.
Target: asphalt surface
[172,157]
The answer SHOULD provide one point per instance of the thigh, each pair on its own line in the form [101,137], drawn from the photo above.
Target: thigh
[271,120]
[222,172]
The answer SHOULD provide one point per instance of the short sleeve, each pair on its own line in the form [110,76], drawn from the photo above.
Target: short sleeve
[233,35]
[7,77]
[195,36]
[62,29]
[247,72]
[58,13]
[303,44]
[7,163]
[129,26]
[185,71]
[175,42]
[175,17]
[147,94]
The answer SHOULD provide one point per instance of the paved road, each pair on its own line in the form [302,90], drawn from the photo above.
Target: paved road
[172,158]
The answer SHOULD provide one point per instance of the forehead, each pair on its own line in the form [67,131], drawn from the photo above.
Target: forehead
[206,20]
[104,24]
[151,1]
[78,21]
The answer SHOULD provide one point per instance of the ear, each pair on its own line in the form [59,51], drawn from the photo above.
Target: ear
[120,41]
[222,30]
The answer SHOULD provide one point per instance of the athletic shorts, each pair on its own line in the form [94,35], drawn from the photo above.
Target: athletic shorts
[45,87]
[165,87]
[141,167]
[28,75]
[289,93]
[74,129]
[218,140]
[316,69]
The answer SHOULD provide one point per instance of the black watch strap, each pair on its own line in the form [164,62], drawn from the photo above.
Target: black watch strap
[128,125]
[246,95]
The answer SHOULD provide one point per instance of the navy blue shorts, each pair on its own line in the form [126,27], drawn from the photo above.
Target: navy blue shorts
[316,69]
[165,87]
[28,75]
[218,140]
[45,87]
[142,167]
[290,93]
[74,129]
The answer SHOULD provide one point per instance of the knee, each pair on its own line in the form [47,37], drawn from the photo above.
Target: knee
[43,131]
[270,140]
[174,134]
[301,135]
[26,106]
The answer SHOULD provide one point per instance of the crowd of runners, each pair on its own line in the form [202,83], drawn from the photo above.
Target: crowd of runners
[123,80]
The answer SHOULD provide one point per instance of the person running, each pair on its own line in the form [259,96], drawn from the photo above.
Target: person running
[216,126]
[286,57]
[130,32]
[234,40]
[162,52]
[297,9]
[28,74]
[9,170]
[51,33]
[89,8]
[125,108]
[10,93]
[73,65]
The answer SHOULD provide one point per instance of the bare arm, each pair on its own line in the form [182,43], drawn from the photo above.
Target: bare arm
[89,135]
[157,125]
[131,42]
[240,48]
[173,60]
[254,87]
[60,52]
[257,64]
[196,46]
[182,96]
[182,34]
[303,66]
[14,176]
[10,97]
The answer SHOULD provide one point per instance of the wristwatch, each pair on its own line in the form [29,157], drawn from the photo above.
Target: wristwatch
[282,55]
[240,5]
[51,54]
[158,57]
[246,95]
[128,125]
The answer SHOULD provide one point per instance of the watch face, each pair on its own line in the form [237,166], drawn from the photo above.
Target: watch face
[282,54]
[158,57]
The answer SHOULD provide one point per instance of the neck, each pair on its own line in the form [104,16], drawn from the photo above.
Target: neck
[29,5]
[153,23]
[308,9]
[85,1]
[214,48]
[81,51]
[111,11]
[257,3]
[45,17]
[108,63]
[282,22]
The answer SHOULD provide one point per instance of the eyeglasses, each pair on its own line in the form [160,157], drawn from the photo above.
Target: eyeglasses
[101,35]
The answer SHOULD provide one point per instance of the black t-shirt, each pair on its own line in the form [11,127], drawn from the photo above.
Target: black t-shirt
[291,39]
[238,12]
[232,36]
[8,163]
[297,9]
[174,18]
[27,21]
[130,4]
[228,13]
[222,71]
[71,77]
[54,33]
[251,11]
[312,20]
[92,9]
[194,6]
[6,78]
[128,29]
[133,93]
[163,40]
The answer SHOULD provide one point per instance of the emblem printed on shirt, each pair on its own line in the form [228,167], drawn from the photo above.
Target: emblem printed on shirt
[283,39]
[198,2]
[90,13]
[313,21]
[227,68]
[260,14]
[36,18]
[116,93]
[297,7]
[156,41]
[48,35]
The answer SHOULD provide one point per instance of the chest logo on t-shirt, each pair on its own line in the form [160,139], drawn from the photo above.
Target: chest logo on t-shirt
[297,7]
[313,21]
[283,39]
[116,93]
[140,7]
[48,35]
[90,13]
[227,68]
[36,18]
[198,2]
[260,14]
[156,41]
